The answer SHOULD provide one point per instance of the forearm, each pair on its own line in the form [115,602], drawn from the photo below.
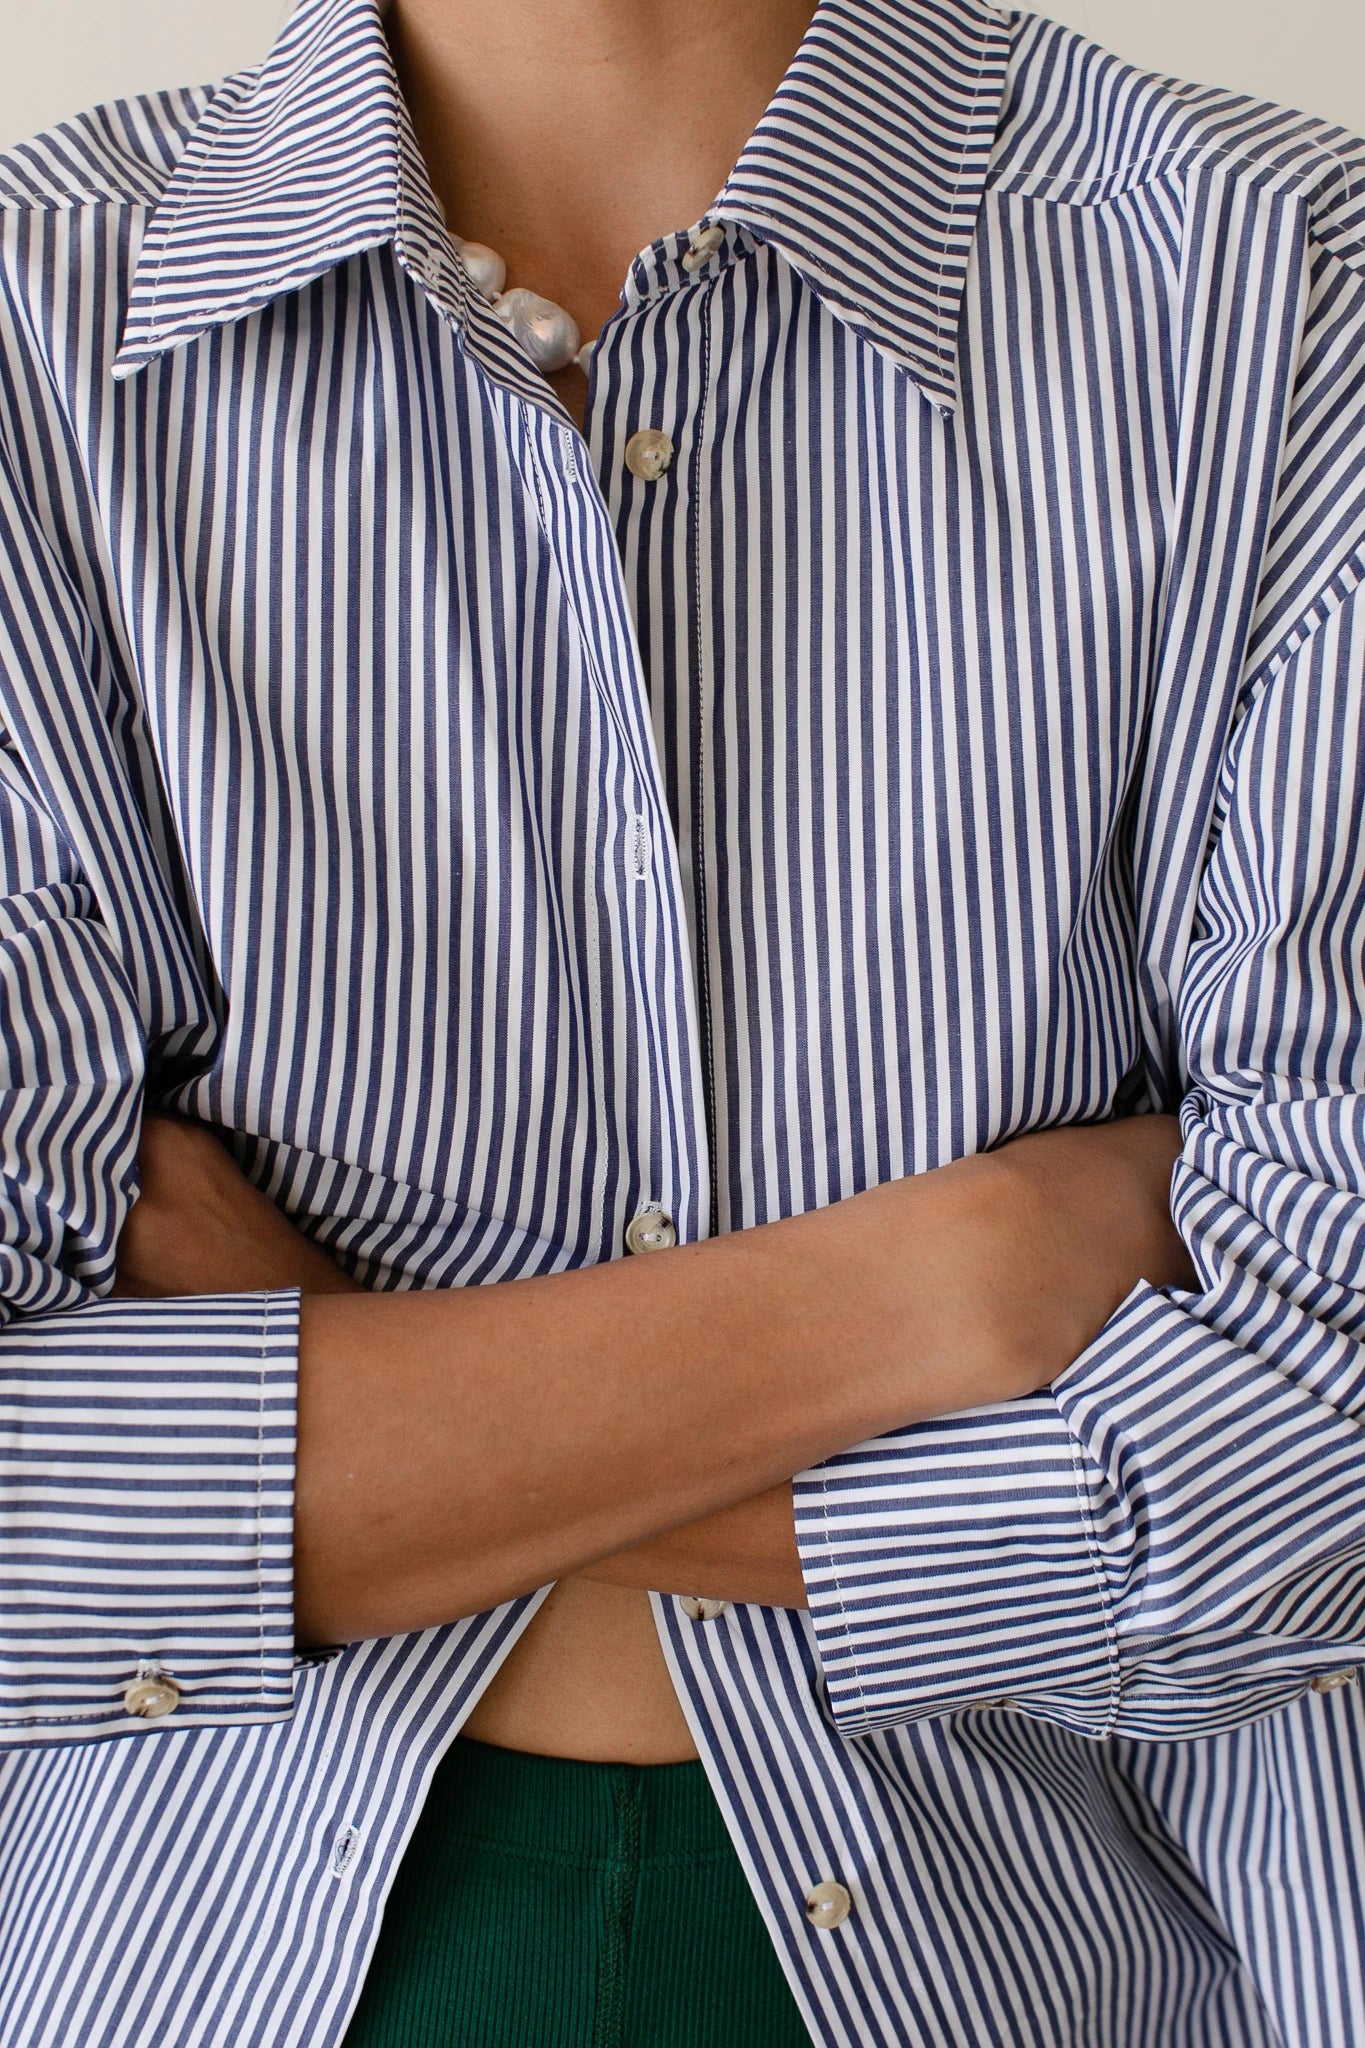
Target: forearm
[640,1420]
[457,1448]
[746,1552]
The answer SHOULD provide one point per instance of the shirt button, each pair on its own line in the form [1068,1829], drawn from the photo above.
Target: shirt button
[648,454]
[1331,1681]
[697,1609]
[703,246]
[827,1904]
[149,1698]
[650,1231]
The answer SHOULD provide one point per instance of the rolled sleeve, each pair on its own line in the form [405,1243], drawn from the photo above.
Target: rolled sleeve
[954,1564]
[1171,1540]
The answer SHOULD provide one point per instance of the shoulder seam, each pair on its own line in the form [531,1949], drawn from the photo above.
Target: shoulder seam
[1187,123]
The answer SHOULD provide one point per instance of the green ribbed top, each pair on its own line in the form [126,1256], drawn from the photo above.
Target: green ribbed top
[549,1903]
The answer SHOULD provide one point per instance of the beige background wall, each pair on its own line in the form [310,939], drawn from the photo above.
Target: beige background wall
[60,55]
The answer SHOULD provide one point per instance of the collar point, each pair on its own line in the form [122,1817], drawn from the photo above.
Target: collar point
[938,385]
[138,346]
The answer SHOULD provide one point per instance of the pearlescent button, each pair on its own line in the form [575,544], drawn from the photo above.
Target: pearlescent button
[827,1904]
[650,1231]
[648,454]
[1331,1681]
[697,1609]
[703,246]
[151,1697]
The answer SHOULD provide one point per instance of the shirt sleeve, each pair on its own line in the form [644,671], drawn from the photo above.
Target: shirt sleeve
[146,1447]
[1170,1541]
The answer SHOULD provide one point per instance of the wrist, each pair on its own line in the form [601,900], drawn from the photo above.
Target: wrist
[900,1303]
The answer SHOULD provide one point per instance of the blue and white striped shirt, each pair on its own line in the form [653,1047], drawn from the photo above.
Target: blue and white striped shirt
[965,734]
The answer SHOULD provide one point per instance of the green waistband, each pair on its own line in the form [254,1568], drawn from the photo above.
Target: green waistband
[549,1903]
[563,1807]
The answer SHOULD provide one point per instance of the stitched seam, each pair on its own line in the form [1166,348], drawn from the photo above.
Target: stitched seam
[944,347]
[188,193]
[57,1720]
[874,324]
[1037,184]
[1097,1567]
[14,201]
[251,301]
[260,1480]
[94,1715]
[844,1626]
[591,665]
[607,711]
[705,713]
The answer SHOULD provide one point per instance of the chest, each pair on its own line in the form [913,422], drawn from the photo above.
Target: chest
[749,816]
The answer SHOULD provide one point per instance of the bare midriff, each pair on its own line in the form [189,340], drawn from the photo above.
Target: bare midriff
[587,1679]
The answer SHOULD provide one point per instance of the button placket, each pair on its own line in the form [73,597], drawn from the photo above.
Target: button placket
[642,846]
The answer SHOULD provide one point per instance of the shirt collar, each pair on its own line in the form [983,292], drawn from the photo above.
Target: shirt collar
[866,171]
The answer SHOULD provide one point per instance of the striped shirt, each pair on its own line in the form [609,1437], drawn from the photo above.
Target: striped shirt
[963,735]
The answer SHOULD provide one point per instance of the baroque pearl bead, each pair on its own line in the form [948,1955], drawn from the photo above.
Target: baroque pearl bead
[548,334]
[487,271]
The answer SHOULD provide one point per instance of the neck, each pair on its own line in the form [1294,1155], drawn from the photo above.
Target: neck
[569,134]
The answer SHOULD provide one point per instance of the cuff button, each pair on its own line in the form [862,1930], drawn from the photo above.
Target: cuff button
[152,1695]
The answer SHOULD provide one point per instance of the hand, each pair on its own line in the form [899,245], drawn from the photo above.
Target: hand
[1095,1201]
[1080,1216]
[199,1226]
[981,1280]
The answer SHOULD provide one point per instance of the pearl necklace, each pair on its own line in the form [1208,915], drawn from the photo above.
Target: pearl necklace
[548,334]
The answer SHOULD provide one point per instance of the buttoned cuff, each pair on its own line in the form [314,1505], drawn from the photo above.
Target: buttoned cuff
[952,1565]
[146,1515]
